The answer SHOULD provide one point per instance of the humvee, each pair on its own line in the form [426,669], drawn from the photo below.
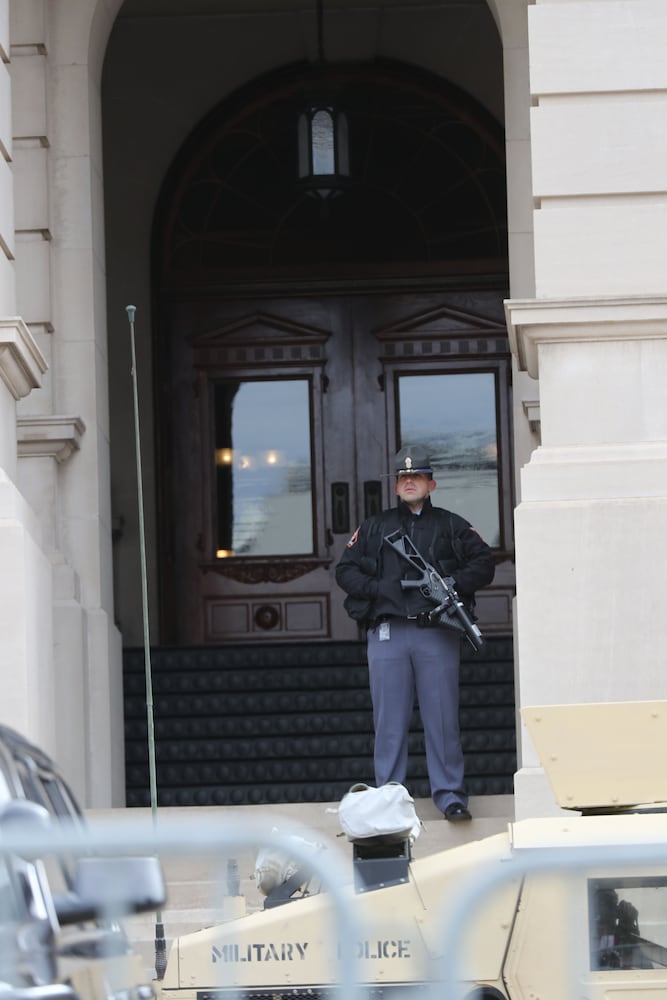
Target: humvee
[591,930]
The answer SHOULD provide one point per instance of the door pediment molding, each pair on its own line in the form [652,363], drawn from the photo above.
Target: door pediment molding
[258,328]
[445,330]
[445,320]
[261,338]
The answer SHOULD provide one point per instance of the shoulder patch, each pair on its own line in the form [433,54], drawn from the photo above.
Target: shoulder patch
[353,540]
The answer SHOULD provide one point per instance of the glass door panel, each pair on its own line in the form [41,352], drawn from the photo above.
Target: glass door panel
[454,415]
[263,473]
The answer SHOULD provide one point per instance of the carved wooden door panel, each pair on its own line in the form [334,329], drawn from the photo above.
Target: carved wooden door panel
[279,417]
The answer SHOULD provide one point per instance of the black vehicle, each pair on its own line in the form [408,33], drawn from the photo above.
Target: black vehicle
[56,939]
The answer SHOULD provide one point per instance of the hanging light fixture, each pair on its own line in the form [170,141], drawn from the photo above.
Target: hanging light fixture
[324,163]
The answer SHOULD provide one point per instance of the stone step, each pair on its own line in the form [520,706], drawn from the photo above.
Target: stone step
[293,723]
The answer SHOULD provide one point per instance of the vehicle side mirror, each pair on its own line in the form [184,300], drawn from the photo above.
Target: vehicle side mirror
[112,887]
[19,816]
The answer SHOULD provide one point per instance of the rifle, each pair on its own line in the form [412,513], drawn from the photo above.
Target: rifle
[450,610]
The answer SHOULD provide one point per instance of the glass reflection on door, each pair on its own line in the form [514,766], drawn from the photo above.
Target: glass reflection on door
[263,468]
[454,416]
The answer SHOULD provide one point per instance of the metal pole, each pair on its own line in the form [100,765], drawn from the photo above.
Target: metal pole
[160,943]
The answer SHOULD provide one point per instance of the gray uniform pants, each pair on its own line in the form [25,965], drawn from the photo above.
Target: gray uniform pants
[424,661]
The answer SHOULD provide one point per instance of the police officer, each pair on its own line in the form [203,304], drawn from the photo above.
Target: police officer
[406,655]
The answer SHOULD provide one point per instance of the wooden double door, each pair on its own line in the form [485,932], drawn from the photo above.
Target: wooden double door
[279,416]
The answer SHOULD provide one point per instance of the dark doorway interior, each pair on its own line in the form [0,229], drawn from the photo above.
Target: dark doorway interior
[265,275]
[422,190]
[340,286]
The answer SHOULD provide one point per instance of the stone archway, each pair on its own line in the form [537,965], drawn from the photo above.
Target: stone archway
[122,284]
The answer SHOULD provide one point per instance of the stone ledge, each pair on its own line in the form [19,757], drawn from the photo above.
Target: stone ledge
[533,322]
[22,364]
[49,437]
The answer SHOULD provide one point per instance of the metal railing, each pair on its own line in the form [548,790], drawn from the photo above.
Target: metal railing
[207,837]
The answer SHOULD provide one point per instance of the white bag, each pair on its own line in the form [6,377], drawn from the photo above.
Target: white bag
[387,811]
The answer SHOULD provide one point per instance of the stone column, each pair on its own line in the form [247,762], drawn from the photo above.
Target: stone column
[590,528]
[60,291]
[590,525]
[26,678]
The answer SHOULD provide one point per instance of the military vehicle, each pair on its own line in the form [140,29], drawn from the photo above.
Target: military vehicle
[598,931]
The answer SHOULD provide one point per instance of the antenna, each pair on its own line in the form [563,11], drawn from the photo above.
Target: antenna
[160,943]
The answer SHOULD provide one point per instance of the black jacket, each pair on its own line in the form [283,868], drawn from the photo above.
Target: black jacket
[370,571]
